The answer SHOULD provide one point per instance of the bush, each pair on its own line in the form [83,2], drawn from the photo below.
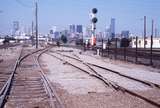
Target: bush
[64,39]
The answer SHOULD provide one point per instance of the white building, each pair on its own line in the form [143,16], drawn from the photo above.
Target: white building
[140,43]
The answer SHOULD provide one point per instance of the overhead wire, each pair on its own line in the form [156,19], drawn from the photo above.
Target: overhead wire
[23,4]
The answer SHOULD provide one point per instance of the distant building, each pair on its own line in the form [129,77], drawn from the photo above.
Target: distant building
[65,32]
[72,28]
[140,43]
[56,34]
[79,29]
[107,33]
[156,32]
[87,31]
[118,35]
[112,28]
[125,34]
[99,36]
[15,27]
[54,28]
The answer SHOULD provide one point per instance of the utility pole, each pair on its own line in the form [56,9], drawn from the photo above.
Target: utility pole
[36,18]
[32,28]
[152,27]
[144,31]
[151,62]
[32,37]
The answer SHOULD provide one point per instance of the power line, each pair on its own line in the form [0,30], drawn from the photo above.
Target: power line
[23,4]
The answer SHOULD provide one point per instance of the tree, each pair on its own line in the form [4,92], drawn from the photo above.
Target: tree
[125,42]
[64,38]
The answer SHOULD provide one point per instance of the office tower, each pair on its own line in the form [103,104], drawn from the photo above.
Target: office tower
[56,35]
[112,28]
[54,28]
[107,32]
[72,28]
[15,27]
[79,29]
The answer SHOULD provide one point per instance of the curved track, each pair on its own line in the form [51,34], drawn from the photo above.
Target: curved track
[149,83]
[27,85]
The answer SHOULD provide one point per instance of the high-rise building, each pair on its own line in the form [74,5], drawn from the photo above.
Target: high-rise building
[54,28]
[89,31]
[79,29]
[15,27]
[107,32]
[156,32]
[72,28]
[54,33]
[112,28]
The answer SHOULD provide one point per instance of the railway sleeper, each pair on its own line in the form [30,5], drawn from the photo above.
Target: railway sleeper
[3,79]
[28,87]
[29,100]
[26,96]
[27,78]
[20,92]
[27,81]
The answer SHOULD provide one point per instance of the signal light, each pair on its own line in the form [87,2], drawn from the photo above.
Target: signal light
[94,10]
[94,20]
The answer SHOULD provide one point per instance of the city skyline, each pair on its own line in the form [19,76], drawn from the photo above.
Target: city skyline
[128,14]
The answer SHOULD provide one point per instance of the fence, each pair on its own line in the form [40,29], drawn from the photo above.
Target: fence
[146,56]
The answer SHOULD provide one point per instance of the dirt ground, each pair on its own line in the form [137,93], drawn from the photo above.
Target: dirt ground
[79,90]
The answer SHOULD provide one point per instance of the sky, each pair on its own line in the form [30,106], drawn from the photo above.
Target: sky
[128,14]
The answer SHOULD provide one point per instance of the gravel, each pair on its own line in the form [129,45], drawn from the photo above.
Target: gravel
[77,89]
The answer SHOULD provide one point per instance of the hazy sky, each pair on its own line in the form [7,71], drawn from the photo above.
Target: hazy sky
[128,13]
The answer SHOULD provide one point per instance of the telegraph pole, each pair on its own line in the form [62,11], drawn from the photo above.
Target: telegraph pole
[152,27]
[36,18]
[151,61]
[32,28]
[144,31]
[32,37]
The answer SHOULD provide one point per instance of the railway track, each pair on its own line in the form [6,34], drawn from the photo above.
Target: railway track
[109,82]
[149,83]
[7,46]
[27,86]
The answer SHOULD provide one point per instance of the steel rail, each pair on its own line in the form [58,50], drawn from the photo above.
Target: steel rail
[149,83]
[7,85]
[6,88]
[45,83]
[48,85]
[114,85]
